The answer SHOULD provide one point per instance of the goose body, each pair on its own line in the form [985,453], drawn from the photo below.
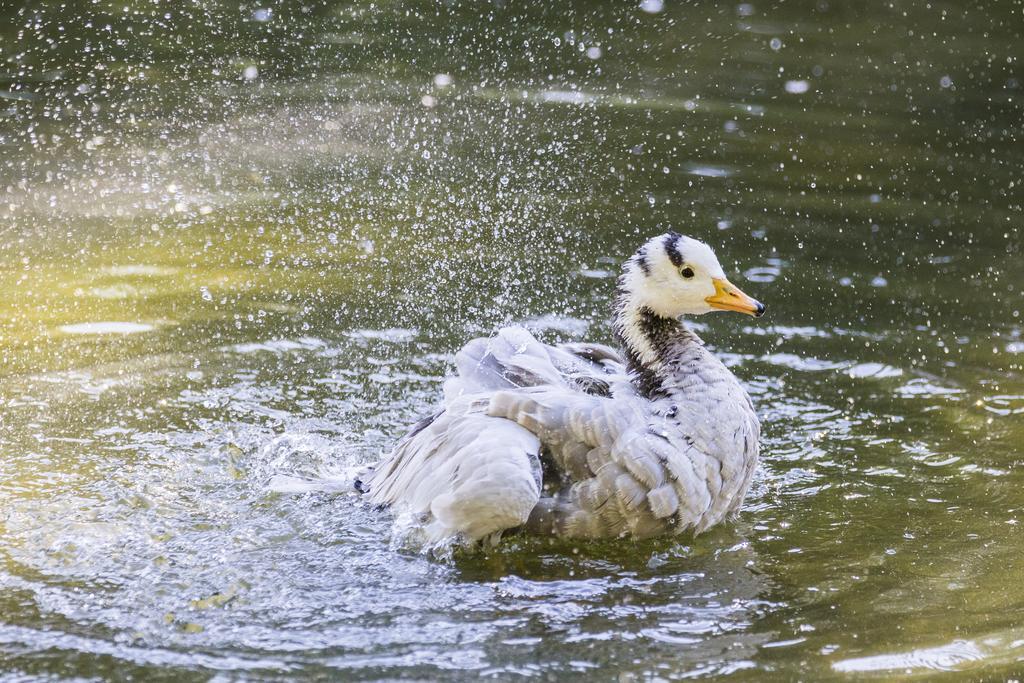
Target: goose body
[582,440]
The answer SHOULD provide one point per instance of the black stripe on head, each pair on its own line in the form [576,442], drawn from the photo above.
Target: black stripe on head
[641,260]
[672,248]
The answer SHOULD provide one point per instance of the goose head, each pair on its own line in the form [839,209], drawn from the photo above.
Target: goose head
[673,275]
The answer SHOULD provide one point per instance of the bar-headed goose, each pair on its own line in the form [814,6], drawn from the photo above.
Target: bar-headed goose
[582,440]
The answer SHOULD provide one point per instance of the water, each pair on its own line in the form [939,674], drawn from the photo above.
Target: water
[240,244]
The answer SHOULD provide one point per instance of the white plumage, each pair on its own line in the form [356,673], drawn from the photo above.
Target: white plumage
[581,440]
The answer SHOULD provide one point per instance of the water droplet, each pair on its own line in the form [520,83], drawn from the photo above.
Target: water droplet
[797,87]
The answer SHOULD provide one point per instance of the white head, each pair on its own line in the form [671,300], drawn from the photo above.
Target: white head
[673,275]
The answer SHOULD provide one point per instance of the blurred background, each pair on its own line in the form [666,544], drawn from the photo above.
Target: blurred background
[240,243]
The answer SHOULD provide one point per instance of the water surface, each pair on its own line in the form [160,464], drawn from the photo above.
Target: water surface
[239,245]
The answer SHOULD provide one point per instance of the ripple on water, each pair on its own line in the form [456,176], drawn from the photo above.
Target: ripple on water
[106,327]
[925,388]
[278,346]
[708,171]
[1003,405]
[797,87]
[787,331]
[116,291]
[138,269]
[943,658]
[762,274]
[597,273]
[566,97]
[873,370]
[556,591]
[802,363]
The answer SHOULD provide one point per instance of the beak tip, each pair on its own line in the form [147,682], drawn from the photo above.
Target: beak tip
[758,309]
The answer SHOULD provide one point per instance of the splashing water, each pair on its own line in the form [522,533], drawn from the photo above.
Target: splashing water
[239,245]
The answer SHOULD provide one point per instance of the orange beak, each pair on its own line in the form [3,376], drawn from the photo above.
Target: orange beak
[728,297]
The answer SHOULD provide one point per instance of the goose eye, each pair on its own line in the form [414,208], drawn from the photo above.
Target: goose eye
[687,272]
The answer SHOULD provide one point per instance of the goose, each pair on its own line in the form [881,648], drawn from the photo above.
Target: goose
[582,440]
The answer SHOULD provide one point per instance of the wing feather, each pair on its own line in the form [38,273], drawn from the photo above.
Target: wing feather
[474,469]
[465,475]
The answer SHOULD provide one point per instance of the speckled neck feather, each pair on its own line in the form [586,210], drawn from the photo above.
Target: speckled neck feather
[651,342]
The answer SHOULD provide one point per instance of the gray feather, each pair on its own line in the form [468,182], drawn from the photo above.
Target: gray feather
[626,462]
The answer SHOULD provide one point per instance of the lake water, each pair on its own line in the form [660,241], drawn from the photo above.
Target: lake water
[239,245]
